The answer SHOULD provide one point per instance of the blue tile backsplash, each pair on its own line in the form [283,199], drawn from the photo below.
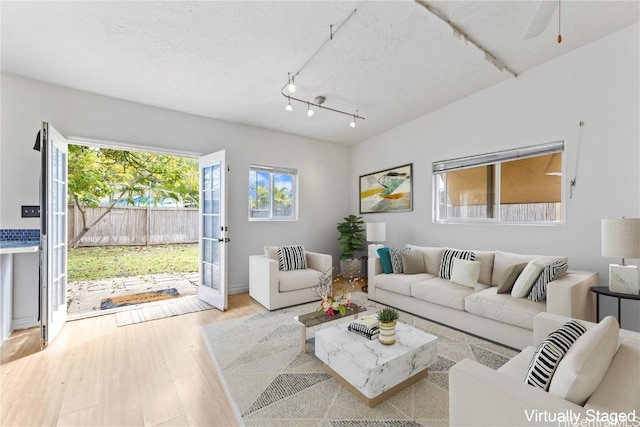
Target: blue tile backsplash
[15,234]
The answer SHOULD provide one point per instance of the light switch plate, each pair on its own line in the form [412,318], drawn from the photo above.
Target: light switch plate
[30,211]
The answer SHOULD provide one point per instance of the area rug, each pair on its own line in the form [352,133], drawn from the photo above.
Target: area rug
[270,382]
[146,313]
[133,299]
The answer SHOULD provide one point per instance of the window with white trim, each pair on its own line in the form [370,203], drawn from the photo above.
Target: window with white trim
[273,193]
[522,185]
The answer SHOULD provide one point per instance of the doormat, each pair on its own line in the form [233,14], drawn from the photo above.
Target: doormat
[134,299]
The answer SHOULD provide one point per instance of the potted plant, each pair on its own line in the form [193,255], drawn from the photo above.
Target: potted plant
[387,318]
[351,240]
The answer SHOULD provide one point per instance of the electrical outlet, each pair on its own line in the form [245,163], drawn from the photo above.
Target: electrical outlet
[30,211]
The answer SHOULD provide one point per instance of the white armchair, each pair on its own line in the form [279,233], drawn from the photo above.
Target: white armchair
[275,289]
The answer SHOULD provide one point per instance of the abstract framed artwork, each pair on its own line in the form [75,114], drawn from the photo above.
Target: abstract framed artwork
[389,190]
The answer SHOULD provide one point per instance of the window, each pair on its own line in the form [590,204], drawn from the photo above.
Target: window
[514,186]
[272,193]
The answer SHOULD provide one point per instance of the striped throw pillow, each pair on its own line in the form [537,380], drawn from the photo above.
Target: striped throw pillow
[550,273]
[550,352]
[396,260]
[291,258]
[446,265]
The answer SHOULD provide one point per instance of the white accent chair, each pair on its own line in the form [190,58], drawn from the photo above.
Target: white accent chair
[480,396]
[275,289]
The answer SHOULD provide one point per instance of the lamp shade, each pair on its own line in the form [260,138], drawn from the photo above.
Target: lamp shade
[376,231]
[621,238]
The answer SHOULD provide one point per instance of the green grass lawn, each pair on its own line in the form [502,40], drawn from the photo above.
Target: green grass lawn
[125,261]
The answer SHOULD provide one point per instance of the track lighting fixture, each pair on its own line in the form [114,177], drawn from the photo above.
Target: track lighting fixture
[319,100]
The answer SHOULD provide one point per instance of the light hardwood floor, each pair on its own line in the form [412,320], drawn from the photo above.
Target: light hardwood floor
[157,373]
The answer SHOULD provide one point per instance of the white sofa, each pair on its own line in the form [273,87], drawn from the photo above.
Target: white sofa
[480,396]
[275,289]
[481,310]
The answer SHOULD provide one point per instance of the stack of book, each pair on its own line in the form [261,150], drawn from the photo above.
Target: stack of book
[366,326]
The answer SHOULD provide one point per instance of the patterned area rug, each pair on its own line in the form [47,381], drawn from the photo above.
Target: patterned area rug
[148,312]
[272,383]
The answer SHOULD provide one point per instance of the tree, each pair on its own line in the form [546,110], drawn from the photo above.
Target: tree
[96,174]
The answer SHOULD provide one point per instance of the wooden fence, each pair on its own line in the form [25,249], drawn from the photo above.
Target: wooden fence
[135,226]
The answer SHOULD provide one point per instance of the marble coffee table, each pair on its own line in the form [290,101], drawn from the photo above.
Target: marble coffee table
[373,371]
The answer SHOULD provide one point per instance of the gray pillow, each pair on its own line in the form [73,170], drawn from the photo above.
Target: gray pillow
[413,263]
[396,262]
[509,277]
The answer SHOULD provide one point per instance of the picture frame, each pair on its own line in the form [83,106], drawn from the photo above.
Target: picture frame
[388,190]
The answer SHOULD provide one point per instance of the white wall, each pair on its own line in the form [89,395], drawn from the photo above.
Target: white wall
[322,166]
[597,84]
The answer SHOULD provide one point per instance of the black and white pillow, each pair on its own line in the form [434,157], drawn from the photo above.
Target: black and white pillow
[291,258]
[396,259]
[550,273]
[446,265]
[550,352]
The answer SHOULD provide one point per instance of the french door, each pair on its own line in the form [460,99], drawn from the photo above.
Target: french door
[53,233]
[213,230]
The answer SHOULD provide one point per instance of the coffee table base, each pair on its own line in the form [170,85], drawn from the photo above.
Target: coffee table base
[371,402]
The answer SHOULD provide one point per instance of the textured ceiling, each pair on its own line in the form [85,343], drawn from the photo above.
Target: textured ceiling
[392,60]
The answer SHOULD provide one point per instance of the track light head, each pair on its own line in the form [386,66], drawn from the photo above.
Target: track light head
[291,85]
[289,107]
[353,122]
[310,112]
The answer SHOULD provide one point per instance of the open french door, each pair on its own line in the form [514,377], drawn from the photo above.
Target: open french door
[53,233]
[213,230]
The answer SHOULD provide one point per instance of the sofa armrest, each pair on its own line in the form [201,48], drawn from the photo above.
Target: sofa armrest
[571,296]
[374,267]
[263,279]
[319,262]
[480,396]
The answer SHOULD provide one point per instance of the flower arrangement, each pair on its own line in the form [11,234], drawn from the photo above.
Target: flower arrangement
[330,304]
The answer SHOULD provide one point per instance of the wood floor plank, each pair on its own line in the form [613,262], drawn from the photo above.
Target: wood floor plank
[95,373]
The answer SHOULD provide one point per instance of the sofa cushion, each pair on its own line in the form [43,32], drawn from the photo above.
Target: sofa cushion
[586,362]
[396,261]
[271,252]
[465,272]
[518,365]
[291,258]
[413,262]
[486,259]
[399,283]
[503,260]
[528,277]
[509,277]
[504,308]
[385,260]
[443,292]
[294,280]
[550,352]
[614,394]
[432,257]
[550,273]
[446,265]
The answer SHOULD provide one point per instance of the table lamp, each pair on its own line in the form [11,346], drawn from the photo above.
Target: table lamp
[621,239]
[376,232]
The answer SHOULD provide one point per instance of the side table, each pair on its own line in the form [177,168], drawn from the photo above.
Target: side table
[604,290]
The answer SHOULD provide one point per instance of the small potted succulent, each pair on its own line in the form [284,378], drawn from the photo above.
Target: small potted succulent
[387,318]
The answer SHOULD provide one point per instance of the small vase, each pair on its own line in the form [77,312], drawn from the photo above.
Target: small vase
[387,333]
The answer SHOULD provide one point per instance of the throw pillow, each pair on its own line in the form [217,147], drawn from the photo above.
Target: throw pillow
[396,261]
[413,263]
[465,272]
[291,258]
[583,367]
[550,352]
[528,277]
[509,277]
[271,252]
[446,265]
[550,273]
[385,260]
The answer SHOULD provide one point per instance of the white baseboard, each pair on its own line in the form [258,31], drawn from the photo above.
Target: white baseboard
[25,323]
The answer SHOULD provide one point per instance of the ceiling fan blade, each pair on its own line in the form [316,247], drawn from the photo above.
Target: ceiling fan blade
[540,18]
